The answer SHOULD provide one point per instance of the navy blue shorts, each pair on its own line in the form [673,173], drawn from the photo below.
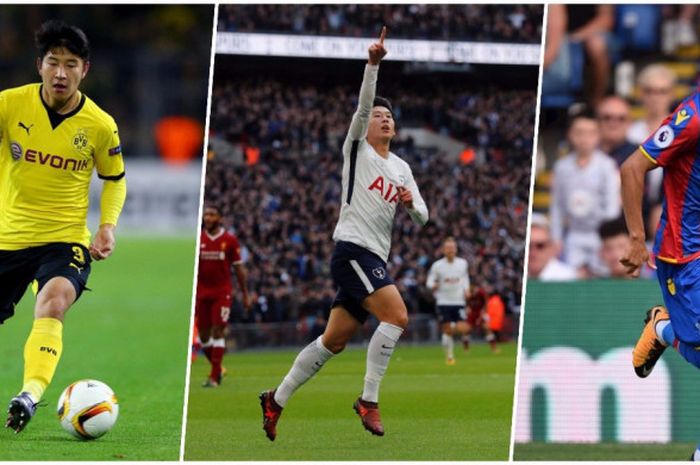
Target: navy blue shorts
[18,268]
[451,313]
[356,273]
[680,287]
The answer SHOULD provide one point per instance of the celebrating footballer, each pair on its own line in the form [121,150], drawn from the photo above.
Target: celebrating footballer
[374,182]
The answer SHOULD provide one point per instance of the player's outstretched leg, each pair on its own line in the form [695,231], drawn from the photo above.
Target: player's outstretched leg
[388,306]
[42,351]
[307,364]
[649,347]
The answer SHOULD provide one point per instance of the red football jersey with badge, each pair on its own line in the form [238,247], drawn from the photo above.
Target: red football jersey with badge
[217,254]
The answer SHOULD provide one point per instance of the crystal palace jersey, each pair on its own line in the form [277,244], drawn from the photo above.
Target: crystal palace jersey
[217,254]
[674,146]
[370,183]
[452,279]
[46,163]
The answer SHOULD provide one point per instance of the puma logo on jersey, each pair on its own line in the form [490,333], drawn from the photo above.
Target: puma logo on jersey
[26,128]
[390,193]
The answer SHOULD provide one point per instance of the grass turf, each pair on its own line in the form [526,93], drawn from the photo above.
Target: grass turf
[131,332]
[430,411]
[608,452]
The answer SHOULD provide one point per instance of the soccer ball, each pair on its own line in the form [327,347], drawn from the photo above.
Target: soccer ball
[87,409]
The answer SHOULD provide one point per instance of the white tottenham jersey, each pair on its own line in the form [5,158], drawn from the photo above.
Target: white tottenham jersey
[370,182]
[452,280]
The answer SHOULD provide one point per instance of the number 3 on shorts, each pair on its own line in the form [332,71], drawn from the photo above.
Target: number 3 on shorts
[78,255]
[225,313]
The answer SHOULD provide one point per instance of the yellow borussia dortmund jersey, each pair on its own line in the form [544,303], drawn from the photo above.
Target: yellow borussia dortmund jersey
[46,163]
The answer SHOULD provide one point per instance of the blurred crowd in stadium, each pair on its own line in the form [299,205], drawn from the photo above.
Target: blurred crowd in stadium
[148,62]
[612,75]
[498,23]
[284,208]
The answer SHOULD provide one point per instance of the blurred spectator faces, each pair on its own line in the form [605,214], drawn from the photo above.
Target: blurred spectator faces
[584,135]
[541,249]
[615,241]
[656,83]
[613,114]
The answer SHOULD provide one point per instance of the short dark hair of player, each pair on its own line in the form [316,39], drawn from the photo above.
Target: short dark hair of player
[383,102]
[613,228]
[213,207]
[55,33]
[585,113]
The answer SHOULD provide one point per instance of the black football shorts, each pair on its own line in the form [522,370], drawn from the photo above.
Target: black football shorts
[18,268]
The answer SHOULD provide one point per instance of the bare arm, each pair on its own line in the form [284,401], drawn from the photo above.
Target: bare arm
[632,173]
[602,22]
[241,277]
[556,31]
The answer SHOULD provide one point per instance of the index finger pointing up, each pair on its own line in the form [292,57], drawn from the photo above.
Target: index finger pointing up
[382,35]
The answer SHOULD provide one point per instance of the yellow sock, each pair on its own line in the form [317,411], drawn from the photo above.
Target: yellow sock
[41,355]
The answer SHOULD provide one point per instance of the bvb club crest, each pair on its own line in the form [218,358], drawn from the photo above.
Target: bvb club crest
[80,140]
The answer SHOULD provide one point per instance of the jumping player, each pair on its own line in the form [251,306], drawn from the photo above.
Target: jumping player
[219,252]
[52,137]
[677,245]
[374,182]
[448,279]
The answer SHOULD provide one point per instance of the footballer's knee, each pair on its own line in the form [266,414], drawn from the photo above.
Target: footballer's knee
[447,329]
[334,344]
[399,318]
[54,299]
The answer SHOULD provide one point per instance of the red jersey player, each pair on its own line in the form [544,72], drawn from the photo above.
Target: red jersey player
[219,252]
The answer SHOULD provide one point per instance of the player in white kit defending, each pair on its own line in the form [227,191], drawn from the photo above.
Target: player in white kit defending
[448,279]
[374,181]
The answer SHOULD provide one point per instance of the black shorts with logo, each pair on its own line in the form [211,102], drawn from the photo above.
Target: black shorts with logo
[18,268]
[357,273]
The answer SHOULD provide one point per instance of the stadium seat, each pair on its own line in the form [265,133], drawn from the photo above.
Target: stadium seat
[637,27]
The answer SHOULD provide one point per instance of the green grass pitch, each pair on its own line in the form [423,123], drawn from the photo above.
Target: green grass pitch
[131,332]
[607,451]
[430,411]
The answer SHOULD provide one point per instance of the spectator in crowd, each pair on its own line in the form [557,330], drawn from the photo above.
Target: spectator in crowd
[615,240]
[556,63]
[543,264]
[506,23]
[613,114]
[656,85]
[585,192]
[590,25]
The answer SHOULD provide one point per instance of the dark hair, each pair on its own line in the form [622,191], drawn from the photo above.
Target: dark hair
[211,206]
[383,102]
[55,33]
[585,113]
[612,228]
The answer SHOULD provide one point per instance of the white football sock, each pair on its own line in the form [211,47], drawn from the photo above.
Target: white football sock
[448,343]
[307,364]
[381,346]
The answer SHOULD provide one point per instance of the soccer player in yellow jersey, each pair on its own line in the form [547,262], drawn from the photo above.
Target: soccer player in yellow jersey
[52,137]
